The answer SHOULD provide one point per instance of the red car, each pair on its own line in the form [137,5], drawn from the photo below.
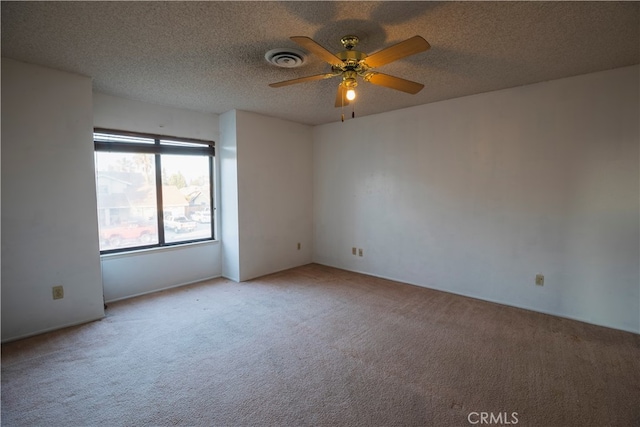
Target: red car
[124,234]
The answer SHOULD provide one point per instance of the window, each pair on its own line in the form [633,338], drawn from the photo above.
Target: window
[152,190]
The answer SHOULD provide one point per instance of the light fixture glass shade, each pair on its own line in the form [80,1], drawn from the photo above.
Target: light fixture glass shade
[351,94]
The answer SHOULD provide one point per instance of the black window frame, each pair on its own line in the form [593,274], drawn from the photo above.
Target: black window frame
[158,149]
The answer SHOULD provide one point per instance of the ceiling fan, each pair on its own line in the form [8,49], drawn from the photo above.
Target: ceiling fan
[350,63]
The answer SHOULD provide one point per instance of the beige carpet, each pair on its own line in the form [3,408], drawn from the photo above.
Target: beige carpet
[323,347]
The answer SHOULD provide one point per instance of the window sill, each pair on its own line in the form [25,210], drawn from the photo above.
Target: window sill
[148,251]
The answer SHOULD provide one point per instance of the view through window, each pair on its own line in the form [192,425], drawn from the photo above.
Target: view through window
[152,191]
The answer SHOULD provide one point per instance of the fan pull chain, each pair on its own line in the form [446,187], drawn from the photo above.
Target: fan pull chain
[342,105]
[353,109]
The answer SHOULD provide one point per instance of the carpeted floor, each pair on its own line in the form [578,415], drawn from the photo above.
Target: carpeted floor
[323,347]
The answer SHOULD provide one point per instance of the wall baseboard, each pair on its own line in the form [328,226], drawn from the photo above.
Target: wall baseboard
[162,289]
[522,307]
[52,329]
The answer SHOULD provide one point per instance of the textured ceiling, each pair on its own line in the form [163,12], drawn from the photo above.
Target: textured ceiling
[209,56]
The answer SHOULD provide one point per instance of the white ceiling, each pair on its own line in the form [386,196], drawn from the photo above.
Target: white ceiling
[209,56]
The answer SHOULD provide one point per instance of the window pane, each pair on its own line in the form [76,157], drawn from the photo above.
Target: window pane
[186,197]
[127,212]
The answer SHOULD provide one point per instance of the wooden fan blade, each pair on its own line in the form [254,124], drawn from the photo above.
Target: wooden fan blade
[317,50]
[341,96]
[303,79]
[395,83]
[408,47]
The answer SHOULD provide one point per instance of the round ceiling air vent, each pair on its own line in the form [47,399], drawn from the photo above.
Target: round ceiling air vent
[285,58]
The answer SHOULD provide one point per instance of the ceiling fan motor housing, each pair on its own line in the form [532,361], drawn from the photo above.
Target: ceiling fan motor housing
[353,64]
[353,56]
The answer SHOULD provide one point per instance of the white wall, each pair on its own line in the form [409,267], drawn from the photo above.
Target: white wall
[112,112]
[141,272]
[477,195]
[229,232]
[266,195]
[126,275]
[50,232]
[275,194]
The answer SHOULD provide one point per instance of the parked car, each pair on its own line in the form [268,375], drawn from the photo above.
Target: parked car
[115,236]
[203,216]
[180,224]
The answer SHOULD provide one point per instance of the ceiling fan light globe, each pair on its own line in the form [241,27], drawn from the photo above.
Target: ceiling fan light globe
[351,94]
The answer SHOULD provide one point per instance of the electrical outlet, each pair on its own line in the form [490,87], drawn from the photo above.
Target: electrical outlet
[299,246]
[539,280]
[354,251]
[360,252]
[58,292]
